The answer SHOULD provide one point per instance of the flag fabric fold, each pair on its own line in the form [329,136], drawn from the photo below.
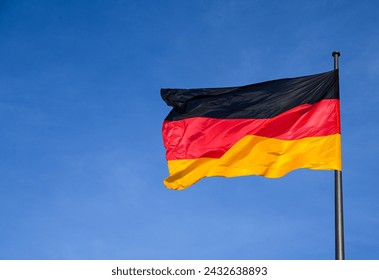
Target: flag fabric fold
[266,129]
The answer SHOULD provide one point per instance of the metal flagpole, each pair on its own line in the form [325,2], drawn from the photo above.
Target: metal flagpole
[339,230]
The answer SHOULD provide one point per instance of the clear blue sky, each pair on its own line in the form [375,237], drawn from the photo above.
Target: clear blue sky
[81,154]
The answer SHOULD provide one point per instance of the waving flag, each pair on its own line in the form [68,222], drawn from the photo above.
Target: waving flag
[266,129]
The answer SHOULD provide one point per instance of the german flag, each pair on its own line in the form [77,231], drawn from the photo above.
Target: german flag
[266,129]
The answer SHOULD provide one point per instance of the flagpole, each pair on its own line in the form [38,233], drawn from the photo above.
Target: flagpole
[339,229]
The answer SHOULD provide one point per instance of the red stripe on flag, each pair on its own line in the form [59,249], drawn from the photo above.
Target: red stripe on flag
[209,137]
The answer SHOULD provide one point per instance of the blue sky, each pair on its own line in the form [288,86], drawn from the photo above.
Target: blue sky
[81,154]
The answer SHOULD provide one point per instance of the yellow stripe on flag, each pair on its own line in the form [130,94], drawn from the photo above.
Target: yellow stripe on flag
[256,155]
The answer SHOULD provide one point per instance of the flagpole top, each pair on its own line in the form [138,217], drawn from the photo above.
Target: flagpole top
[336,53]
